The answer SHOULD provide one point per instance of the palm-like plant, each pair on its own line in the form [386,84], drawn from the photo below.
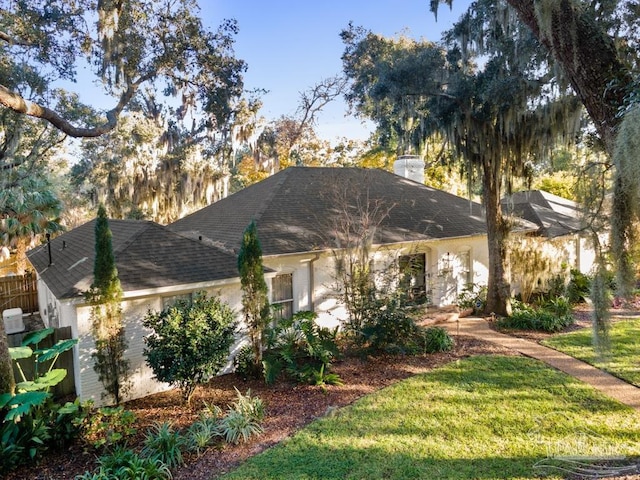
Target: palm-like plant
[27,211]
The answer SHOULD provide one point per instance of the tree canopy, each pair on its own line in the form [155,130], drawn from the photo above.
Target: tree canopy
[493,99]
[128,45]
[594,44]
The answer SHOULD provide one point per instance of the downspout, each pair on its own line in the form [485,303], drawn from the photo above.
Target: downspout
[312,282]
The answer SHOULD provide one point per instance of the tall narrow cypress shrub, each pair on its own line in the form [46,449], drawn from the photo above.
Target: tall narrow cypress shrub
[105,296]
[255,302]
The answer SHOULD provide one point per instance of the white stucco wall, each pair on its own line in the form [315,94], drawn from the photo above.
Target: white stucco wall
[445,283]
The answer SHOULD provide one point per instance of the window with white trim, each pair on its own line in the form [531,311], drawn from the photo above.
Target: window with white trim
[413,275]
[465,275]
[282,296]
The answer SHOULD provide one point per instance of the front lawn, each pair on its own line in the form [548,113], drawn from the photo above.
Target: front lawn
[622,361]
[485,417]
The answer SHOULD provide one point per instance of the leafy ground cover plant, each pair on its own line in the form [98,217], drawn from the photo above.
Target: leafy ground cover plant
[107,426]
[243,419]
[165,444]
[553,316]
[302,350]
[202,433]
[437,339]
[125,464]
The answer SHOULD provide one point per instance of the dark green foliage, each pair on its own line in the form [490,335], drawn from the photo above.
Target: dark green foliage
[579,287]
[164,444]
[31,422]
[124,464]
[202,433]
[245,363]
[190,341]
[108,329]
[388,328]
[554,316]
[105,273]
[255,302]
[302,350]
[436,339]
[47,427]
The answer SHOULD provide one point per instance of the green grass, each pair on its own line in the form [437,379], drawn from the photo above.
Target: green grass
[622,361]
[483,418]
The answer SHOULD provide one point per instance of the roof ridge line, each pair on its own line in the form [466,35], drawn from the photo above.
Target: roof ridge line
[144,225]
[272,193]
[206,242]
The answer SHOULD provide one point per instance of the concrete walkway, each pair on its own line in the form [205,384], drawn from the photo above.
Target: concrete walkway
[606,383]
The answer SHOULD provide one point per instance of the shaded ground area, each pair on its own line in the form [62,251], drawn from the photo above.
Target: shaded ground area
[288,408]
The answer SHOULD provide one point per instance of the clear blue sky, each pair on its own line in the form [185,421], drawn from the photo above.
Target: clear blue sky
[290,45]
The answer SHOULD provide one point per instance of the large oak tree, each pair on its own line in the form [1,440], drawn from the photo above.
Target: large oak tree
[594,43]
[499,116]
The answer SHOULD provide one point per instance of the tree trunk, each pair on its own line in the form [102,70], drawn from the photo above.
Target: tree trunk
[498,287]
[588,57]
[7,380]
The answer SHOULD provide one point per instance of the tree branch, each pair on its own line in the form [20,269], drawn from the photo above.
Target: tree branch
[18,104]
[5,37]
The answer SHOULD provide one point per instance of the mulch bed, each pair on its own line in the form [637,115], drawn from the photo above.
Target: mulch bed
[288,408]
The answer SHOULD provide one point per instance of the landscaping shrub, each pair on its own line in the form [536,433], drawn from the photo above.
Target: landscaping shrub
[579,287]
[202,433]
[125,464]
[31,422]
[243,419]
[199,333]
[554,316]
[436,339]
[107,426]
[245,364]
[49,426]
[301,349]
[387,327]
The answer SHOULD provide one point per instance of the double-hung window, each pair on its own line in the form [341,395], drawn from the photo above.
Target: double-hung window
[282,296]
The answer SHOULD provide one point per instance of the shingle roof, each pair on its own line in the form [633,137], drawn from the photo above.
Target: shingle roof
[554,215]
[147,255]
[297,210]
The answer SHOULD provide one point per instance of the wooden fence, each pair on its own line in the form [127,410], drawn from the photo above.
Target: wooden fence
[20,291]
[65,360]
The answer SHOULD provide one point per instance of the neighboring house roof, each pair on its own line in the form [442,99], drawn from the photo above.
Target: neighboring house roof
[147,256]
[302,209]
[555,216]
